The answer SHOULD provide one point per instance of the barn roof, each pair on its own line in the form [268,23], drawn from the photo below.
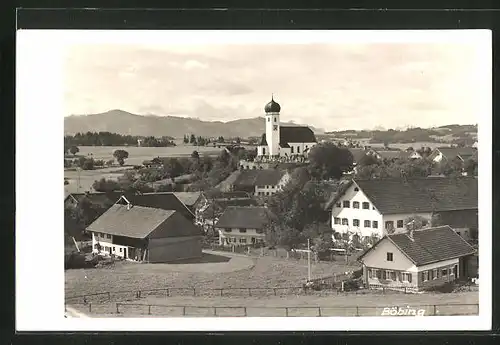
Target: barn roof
[161,200]
[188,198]
[259,177]
[136,222]
[430,245]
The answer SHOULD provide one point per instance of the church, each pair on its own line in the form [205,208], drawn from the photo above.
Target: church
[283,141]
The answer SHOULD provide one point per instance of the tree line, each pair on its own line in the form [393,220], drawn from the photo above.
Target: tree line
[114,139]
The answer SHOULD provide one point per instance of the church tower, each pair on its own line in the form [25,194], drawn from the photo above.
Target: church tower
[272,110]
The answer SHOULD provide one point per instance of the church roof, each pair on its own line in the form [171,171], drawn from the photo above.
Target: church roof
[263,141]
[296,134]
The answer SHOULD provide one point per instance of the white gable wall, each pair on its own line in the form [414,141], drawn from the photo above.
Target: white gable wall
[351,213]
[298,148]
[377,258]
[402,216]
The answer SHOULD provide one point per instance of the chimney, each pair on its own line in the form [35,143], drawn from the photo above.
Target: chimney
[129,206]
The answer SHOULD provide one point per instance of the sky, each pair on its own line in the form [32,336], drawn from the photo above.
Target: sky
[333,86]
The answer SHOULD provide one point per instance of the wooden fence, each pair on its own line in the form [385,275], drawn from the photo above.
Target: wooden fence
[134,309]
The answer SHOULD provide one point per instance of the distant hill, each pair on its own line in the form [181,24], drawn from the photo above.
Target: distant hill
[122,122]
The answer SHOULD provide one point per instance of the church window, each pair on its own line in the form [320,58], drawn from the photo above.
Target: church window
[274,119]
[298,149]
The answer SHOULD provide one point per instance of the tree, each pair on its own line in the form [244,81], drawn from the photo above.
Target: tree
[104,185]
[88,164]
[327,161]
[74,150]
[186,139]
[120,156]
[470,167]
[192,139]
[416,222]
[173,168]
[195,155]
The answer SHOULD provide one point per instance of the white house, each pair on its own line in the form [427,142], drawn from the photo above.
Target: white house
[450,153]
[283,141]
[380,206]
[241,226]
[416,260]
[261,182]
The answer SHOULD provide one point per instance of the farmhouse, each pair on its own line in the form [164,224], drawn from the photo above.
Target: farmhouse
[261,182]
[240,226]
[451,153]
[378,207]
[100,199]
[417,260]
[283,141]
[190,199]
[145,234]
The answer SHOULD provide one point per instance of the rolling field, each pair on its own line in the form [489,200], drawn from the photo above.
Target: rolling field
[215,271]
[87,178]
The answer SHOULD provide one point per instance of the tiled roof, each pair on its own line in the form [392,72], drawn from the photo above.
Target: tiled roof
[430,194]
[452,152]
[357,153]
[162,200]
[296,134]
[252,217]
[432,245]
[263,140]
[390,154]
[188,198]
[103,199]
[224,204]
[136,222]
[259,177]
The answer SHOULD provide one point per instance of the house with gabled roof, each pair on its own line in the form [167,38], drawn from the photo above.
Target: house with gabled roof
[145,234]
[417,260]
[241,226]
[380,206]
[261,182]
[451,153]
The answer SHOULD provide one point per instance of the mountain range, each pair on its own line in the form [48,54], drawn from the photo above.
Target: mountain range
[125,123]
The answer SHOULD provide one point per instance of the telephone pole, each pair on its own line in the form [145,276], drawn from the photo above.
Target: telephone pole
[308,260]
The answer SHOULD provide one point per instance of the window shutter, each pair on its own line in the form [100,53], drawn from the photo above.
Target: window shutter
[409,277]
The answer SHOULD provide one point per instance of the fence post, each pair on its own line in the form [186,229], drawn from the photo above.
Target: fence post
[434,310]
[244,311]
[117,311]
[357,311]
[286,311]
[90,307]
[319,311]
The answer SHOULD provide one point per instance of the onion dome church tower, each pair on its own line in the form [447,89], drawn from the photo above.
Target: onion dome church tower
[272,110]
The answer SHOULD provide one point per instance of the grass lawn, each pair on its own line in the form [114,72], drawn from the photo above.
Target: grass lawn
[333,305]
[229,272]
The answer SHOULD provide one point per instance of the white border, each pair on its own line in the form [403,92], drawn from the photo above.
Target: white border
[39,191]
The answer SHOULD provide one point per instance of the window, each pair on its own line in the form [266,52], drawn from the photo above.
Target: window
[406,277]
[374,273]
[375,224]
[345,221]
[121,249]
[389,275]
[108,236]
[228,230]
[336,220]
[434,274]
[114,249]
[367,224]
[243,240]
[355,204]
[390,256]
[291,149]
[356,189]
[455,270]
[355,222]
[243,230]
[399,224]
[379,274]
[389,225]
[274,119]
[370,273]
[338,204]
[425,276]
[346,204]
[366,206]
[444,272]
[298,149]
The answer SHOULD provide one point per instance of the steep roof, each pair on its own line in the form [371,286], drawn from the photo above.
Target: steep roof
[102,199]
[162,200]
[357,153]
[389,154]
[392,196]
[252,217]
[259,177]
[136,222]
[432,245]
[224,204]
[296,134]
[452,152]
[188,198]
[263,140]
